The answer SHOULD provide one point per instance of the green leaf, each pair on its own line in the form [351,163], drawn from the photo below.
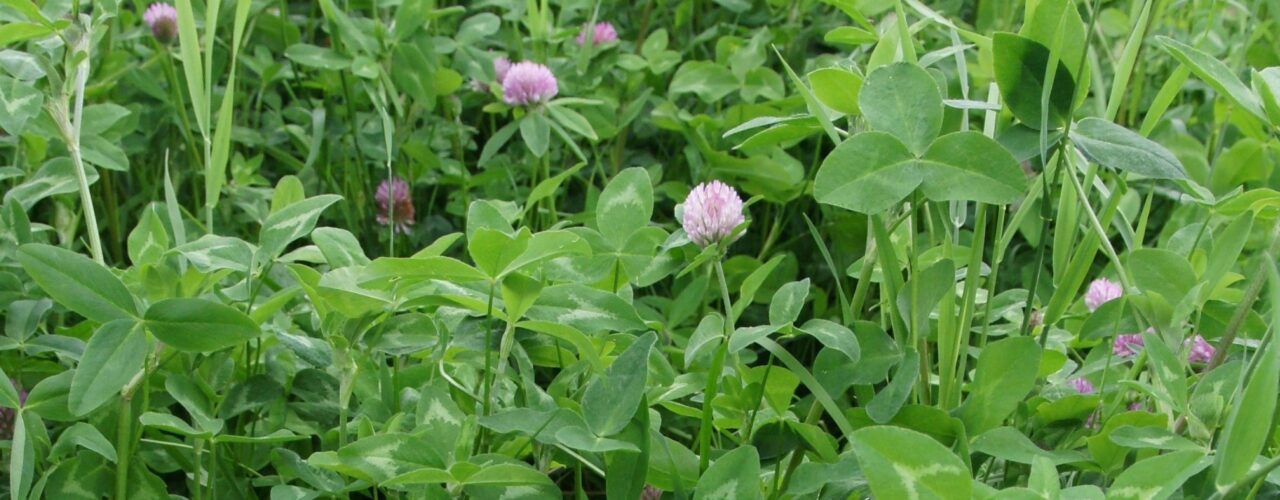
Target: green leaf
[411,269]
[211,253]
[289,190]
[903,100]
[834,336]
[1020,65]
[317,57]
[1010,444]
[8,394]
[625,206]
[1116,147]
[290,223]
[735,474]
[902,463]
[56,176]
[574,121]
[78,283]
[1162,272]
[1246,431]
[102,153]
[611,399]
[587,309]
[868,173]
[787,302]
[536,133]
[970,166]
[22,454]
[708,80]
[20,102]
[114,354]
[507,475]
[148,241]
[837,88]
[1006,372]
[1056,24]
[198,325]
[878,353]
[1215,73]
[339,247]
[890,399]
[86,436]
[1158,477]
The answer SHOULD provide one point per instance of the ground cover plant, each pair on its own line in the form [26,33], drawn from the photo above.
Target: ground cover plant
[654,249]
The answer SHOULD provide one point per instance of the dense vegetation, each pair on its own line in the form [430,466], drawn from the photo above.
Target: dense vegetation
[956,249]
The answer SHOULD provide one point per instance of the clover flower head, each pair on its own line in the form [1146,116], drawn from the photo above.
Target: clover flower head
[395,205]
[1201,351]
[1100,292]
[528,83]
[601,33]
[162,18]
[711,213]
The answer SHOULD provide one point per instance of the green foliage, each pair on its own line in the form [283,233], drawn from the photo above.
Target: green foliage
[512,299]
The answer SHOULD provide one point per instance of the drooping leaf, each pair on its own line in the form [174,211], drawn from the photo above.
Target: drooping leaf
[1113,146]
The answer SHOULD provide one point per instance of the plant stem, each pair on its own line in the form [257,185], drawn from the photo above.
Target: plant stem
[713,375]
[124,448]
[71,133]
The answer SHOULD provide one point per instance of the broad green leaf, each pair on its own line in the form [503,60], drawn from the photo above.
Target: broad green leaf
[903,100]
[1246,431]
[1010,444]
[625,206]
[114,354]
[148,241]
[787,302]
[1151,437]
[834,336]
[102,153]
[1020,65]
[587,309]
[611,399]
[22,454]
[878,353]
[1006,372]
[83,435]
[1166,369]
[211,253]
[199,325]
[1267,84]
[1227,246]
[507,474]
[1162,272]
[339,247]
[78,283]
[868,173]
[970,166]
[630,471]
[289,190]
[290,223]
[8,393]
[1057,23]
[56,176]
[837,88]
[1113,146]
[708,80]
[1158,477]
[735,474]
[902,463]
[1215,73]
[535,130]
[891,397]
[20,102]
[317,57]
[411,269]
